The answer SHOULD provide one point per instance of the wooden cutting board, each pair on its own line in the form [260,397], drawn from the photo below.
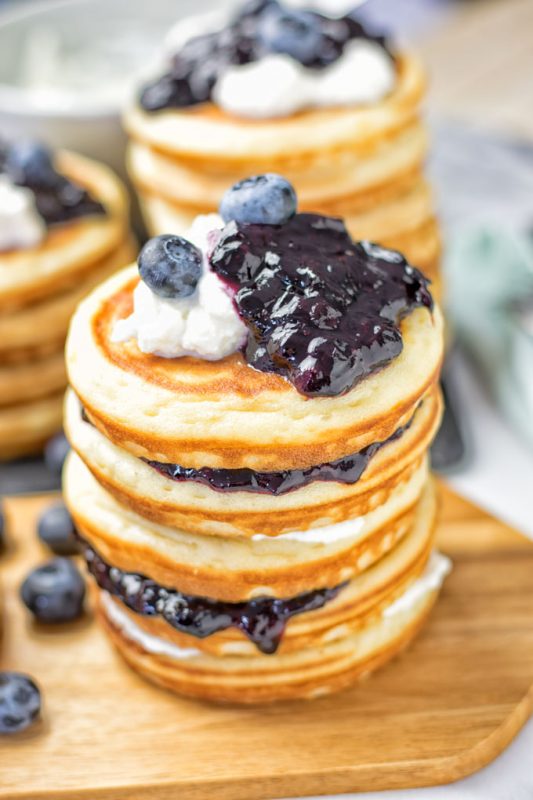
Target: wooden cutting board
[442,710]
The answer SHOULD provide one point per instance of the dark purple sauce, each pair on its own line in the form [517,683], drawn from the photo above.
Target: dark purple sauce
[321,310]
[61,200]
[195,69]
[262,620]
[345,470]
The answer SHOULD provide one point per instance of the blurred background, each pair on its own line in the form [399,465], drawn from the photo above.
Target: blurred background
[68,66]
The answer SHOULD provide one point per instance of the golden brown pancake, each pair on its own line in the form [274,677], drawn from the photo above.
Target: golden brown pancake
[27,381]
[237,569]
[158,408]
[201,509]
[25,427]
[69,251]
[362,163]
[40,328]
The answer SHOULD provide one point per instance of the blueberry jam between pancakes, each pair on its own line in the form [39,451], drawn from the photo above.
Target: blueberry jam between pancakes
[57,198]
[322,310]
[262,620]
[346,470]
[261,28]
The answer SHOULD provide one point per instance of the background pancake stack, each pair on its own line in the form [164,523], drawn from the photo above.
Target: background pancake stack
[39,290]
[250,543]
[363,163]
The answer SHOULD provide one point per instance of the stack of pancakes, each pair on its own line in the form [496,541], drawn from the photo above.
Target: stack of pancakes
[364,164]
[344,570]
[39,290]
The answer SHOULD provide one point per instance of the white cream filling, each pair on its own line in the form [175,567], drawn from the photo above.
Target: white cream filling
[21,225]
[438,567]
[431,580]
[278,85]
[133,632]
[205,325]
[326,535]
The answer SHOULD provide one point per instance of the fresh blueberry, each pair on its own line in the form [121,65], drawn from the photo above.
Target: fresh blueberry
[263,199]
[20,702]
[30,164]
[2,528]
[54,592]
[171,266]
[295,33]
[56,530]
[55,452]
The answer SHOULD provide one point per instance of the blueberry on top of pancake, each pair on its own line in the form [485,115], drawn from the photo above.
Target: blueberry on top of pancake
[259,29]
[58,199]
[321,310]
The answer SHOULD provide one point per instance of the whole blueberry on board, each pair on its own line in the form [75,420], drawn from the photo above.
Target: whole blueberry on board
[54,592]
[20,702]
[55,452]
[29,163]
[262,199]
[56,530]
[171,266]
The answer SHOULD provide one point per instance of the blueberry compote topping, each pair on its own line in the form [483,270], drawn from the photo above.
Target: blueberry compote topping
[58,199]
[262,620]
[261,28]
[345,470]
[321,310]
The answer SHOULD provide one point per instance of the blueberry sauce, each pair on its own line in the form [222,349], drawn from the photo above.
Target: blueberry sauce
[57,199]
[262,27]
[321,310]
[262,620]
[345,470]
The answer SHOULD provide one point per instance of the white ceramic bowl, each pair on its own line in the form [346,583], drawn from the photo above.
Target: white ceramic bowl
[98,46]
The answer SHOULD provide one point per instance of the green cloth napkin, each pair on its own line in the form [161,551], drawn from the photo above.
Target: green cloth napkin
[489,276]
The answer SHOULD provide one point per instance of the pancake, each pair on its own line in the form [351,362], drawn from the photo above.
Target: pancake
[311,672]
[40,328]
[321,178]
[197,413]
[32,379]
[370,591]
[207,135]
[70,250]
[26,427]
[236,569]
[200,509]
[249,542]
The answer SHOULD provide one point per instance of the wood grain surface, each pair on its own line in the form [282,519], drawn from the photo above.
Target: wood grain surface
[446,707]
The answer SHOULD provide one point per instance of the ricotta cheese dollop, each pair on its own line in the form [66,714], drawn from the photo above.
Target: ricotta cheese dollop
[205,324]
[21,225]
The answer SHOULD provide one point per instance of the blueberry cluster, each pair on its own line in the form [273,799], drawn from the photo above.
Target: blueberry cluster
[261,28]
[58,199]
[262,620]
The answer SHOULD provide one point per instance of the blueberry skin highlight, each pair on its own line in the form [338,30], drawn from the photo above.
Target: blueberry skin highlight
[261,200]
[54,592]
[29,163]
[20,702]
[294,33]
[171,266]
[56,530]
